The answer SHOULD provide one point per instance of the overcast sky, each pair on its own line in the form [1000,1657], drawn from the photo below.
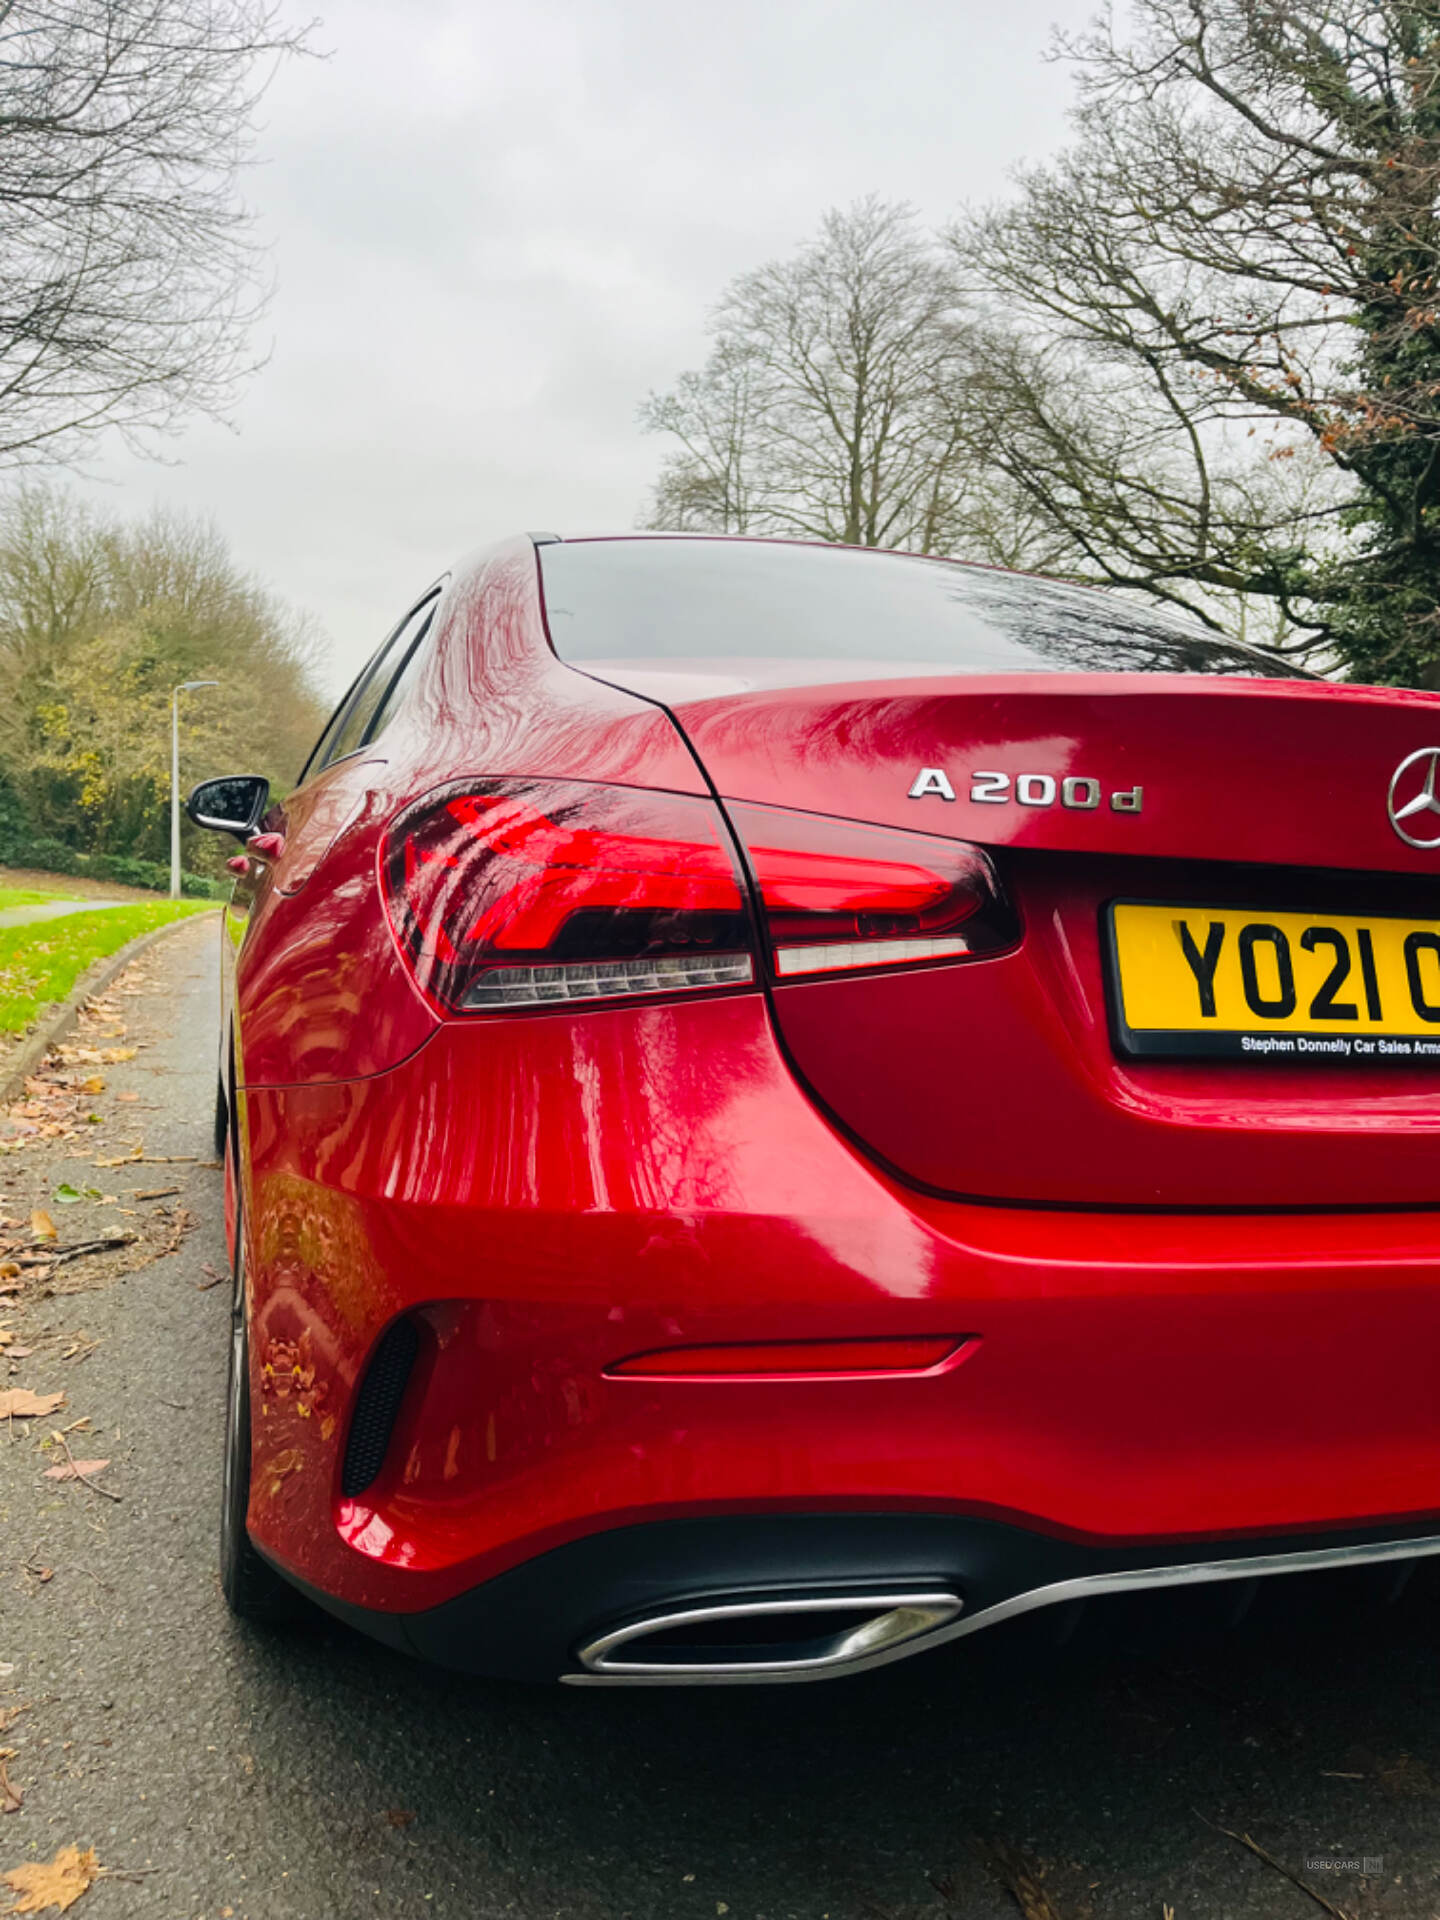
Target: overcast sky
[495,227]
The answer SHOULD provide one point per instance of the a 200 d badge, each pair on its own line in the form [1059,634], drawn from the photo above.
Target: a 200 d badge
[1029,790]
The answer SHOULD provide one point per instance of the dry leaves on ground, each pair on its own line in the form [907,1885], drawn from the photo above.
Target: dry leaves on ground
[19,1403]
[55,1106]
[178,1222]
[11,1798]
[56,1101]
[56,1883]
[1022,1878]
[42,1226]
[74,1469]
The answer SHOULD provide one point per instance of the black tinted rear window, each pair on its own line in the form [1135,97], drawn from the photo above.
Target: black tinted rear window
[678,599]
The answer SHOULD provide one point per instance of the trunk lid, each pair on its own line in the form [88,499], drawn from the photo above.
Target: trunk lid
[1004,1077]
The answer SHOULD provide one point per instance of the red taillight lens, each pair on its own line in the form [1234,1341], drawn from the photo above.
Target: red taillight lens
[523,893]
[837,895]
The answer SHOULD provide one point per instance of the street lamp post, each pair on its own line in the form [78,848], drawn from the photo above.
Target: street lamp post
[185,686]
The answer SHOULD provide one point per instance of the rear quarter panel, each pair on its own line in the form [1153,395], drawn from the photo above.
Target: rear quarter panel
[320,990]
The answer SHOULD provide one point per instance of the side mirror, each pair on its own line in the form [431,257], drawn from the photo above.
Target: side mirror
[235,803]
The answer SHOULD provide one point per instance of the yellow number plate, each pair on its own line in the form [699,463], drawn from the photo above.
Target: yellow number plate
[1225,981]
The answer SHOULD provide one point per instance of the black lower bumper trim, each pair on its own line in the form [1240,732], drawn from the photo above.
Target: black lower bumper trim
[525,1624]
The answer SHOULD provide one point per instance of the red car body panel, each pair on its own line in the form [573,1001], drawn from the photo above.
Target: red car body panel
[943,1072]
[1137,1376]
[320,990]
[548,1192]
[1277,770]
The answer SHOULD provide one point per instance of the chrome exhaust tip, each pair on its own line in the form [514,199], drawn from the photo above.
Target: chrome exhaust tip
[799,1637]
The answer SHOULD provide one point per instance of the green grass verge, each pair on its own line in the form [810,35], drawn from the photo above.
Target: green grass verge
[29,897]
[41,962]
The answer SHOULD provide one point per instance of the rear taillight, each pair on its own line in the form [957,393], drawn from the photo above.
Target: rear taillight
[523,893]
[526,893]
[836,895]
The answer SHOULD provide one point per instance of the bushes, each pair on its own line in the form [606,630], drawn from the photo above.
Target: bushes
[53,856]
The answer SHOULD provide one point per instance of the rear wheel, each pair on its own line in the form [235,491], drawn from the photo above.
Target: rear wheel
[222,1117]
[252,1590]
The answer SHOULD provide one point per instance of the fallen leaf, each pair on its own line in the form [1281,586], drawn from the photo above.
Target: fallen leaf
[95,1084]
[399,1816]
[19,1403]
[112,1055]
[19,1353]
[41,1225]
[56,1883]
[67,1196]
[8,1270]
[11,1798]
[1022,1878]
[73,1469]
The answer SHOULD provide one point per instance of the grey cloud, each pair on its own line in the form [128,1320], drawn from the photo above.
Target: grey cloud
[495,228]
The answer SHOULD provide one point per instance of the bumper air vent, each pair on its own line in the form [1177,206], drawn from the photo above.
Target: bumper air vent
[376,1406]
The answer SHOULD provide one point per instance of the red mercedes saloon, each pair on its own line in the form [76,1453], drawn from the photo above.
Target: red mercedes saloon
[783,1104]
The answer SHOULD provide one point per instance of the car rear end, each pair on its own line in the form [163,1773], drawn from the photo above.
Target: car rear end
[974,1150]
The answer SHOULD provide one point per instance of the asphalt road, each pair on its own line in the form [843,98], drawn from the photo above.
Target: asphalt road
[321,1776]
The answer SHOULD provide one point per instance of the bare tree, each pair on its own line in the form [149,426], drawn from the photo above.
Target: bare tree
[832,405]
[1210,332]
[129,277]
[716,417]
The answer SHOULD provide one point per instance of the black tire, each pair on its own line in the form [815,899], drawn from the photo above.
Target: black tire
[222,1117]
[253,1591]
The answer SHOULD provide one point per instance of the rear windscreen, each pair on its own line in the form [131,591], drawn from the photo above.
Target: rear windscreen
[679,599]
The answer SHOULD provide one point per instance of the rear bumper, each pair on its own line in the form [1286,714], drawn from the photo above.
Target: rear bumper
[546,1195]
[545,1620]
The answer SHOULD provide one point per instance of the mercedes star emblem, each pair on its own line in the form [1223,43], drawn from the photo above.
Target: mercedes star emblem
[1422,807]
